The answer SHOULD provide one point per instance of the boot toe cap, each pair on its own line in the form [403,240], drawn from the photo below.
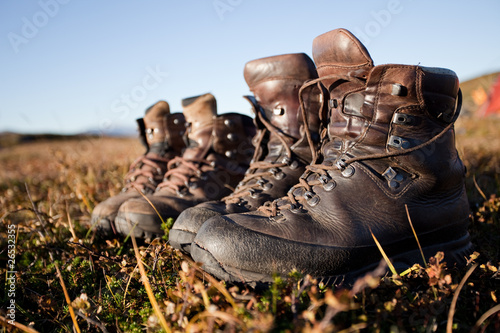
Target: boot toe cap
[188,223]
[138,217]
[236,253]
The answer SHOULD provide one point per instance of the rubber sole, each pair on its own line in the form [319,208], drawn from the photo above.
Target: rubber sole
[101,225]
[138,225]
[181,240]
[456,253]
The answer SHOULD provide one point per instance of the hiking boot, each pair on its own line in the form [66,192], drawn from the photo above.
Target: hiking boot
[281,148]
[219,149]
[161,133]
[388,155]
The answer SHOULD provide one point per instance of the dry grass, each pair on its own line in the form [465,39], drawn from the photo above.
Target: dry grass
[66,179]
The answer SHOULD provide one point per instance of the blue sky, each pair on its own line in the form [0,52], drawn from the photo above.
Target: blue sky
[72,65]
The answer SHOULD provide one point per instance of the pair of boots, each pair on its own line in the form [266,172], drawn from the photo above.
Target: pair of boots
[360,153]
[191,157]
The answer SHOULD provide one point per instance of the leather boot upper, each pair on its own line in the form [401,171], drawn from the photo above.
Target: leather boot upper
[387,156]
[282,150]
[162,134]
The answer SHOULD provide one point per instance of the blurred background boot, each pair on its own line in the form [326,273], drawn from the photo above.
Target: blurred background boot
[219,150]
[281,149]
[162,134]
[388,156]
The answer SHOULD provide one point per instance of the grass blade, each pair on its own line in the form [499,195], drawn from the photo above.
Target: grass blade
[386,258]
[61,280]
[451,313]
[485,316]
[147,285]
[415,234]
[18,325]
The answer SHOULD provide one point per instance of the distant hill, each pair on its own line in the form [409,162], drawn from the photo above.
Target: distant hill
[475,92]
[115,132]
[8,139]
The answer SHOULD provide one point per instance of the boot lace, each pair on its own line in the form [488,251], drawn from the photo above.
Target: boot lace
[317,174]
[143,174]
[267,169]
[183,173]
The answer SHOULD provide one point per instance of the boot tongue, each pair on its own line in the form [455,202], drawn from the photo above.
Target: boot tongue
[199,112]
[275,82]
[154,126]
[340,52]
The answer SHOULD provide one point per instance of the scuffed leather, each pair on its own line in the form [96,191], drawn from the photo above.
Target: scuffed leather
[333,237]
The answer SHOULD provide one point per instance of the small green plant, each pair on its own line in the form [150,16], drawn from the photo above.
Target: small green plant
[106,287]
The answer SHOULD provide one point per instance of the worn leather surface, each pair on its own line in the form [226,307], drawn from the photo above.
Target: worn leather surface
[218,153]
[275,82]
[163,136]
[373,110]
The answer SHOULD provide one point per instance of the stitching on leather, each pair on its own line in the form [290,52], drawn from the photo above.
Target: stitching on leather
[383,188]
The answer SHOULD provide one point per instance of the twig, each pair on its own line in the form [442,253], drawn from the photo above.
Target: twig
[386,258]
[128,283]
[415,234]
[215,314]
[478,188]
[99,255]
[18,325]
[485,316]
[213,281]
[69,222]
[451,313]
[149,291]
[150,203]
[354,328]
[61,280]
[92,321]
[109,287]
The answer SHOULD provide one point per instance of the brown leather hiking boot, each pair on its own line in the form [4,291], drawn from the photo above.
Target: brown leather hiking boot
[161,133]
[282,150]
[388,149]
[218,153]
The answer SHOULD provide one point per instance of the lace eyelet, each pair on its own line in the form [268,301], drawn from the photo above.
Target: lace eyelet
[279,175]
[348,171]
[313,201]
[330,185]
[286,160]
[309,195]
[253,193]
[296,209]
[323,179]
[341,164]
[267,186]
